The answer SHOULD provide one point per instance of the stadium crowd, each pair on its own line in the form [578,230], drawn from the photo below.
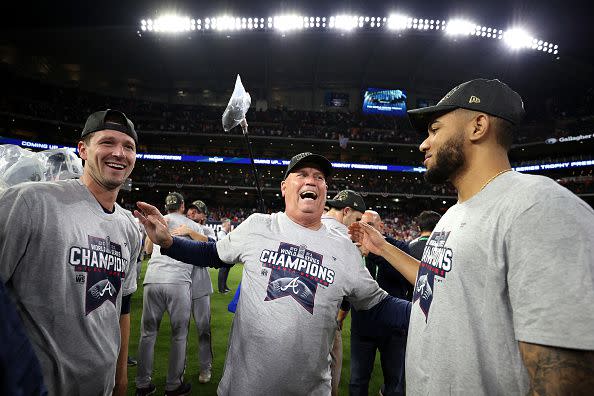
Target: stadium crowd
[28,99]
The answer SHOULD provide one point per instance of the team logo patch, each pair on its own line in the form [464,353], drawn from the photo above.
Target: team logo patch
[295,272]
[104,265]
[436,261]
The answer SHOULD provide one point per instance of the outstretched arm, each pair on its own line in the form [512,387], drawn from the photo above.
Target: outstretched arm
[154,223]
[392,312]
[558,371]
[185,230]
[370,239]
[200,254]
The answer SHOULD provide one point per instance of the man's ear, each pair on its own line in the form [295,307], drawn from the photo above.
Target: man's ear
[82,150]
[480,125]
[283,187]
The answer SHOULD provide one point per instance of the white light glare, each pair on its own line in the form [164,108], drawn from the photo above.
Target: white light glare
[288,22]
[224,23]
[517,38]
[171,23]
[397,22]
[459,27]
[344,22]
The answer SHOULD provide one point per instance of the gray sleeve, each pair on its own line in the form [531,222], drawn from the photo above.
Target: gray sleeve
[15,231]
[130,284]
[233,244]
[550,255]
[364,291]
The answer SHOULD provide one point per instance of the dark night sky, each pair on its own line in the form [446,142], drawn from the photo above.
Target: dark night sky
[568,23]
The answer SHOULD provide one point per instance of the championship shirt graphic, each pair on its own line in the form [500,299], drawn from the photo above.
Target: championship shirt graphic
[436,261]
[295,272]
[104,266]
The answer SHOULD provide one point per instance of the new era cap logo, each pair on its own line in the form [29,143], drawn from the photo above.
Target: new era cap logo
[474,99]
[341,196]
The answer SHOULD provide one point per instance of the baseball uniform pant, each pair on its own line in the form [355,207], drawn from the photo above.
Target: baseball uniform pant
[201,312]
[158,298]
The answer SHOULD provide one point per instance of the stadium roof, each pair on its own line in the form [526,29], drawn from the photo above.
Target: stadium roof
[96,44]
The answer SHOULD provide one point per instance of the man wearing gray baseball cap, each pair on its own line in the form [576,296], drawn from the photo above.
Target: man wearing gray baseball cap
[503,293]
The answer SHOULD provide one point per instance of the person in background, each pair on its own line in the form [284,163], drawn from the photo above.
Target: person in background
[344,209]
[368,336]
[224,271]
[167,288]
[426,222]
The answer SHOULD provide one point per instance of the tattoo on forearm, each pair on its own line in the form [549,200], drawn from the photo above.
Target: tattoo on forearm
[558,371]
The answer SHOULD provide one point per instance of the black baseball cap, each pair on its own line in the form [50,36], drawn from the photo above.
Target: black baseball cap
[347,198]
[488,96]
[96,122]
[300,160]
[173,201]
[200,205]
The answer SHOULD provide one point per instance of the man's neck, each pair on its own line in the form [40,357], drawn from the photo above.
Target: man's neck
[311,222]
[425,233]
[480,171]
[106,198]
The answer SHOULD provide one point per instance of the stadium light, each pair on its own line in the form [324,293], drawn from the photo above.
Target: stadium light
[515,38]
[344,22]
[170,23]
[286,23]
[397,22]
[460,27]
[518,38]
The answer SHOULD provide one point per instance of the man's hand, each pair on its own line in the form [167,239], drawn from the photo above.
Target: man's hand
[367,237]
[181,230]
[154,224]
[364,252]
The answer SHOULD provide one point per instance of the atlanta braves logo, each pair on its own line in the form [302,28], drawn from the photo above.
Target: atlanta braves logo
[295,272]
[293,285]
[105,266]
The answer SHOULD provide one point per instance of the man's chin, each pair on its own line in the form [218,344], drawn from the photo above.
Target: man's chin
[434,176]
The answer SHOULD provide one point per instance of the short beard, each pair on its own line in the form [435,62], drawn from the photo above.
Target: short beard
[448,161]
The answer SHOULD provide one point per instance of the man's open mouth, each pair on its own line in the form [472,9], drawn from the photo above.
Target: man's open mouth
[114,165]
[308,195]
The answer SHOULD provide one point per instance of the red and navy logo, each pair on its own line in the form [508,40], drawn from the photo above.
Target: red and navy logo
[295,272]
[105,267]
[436,261]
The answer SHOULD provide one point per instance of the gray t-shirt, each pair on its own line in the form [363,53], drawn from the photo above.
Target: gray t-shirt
[201,283]
[64,261]
[513,263]
[294,280]
[209,232]
[164,269]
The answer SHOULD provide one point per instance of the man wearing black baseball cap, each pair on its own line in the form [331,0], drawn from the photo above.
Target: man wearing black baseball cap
[501,304]
[296,271]
[67,251]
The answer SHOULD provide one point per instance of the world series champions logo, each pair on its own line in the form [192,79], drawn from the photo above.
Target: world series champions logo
[295,272]
[105,267]
[436,261]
